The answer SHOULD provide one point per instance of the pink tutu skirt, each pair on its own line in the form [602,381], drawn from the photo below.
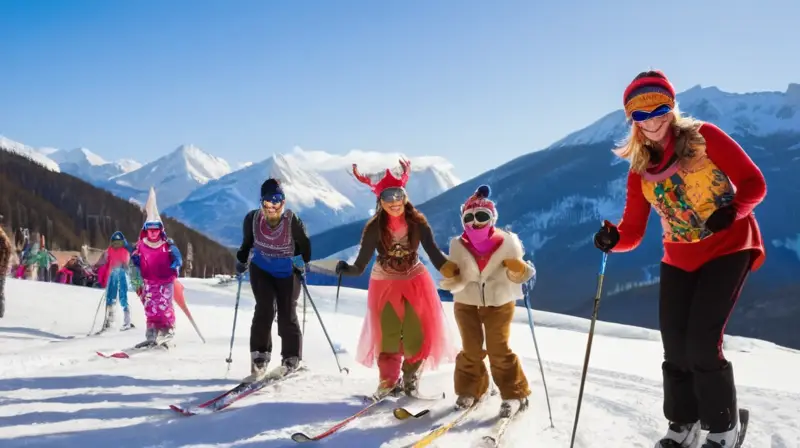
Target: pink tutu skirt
[420,291]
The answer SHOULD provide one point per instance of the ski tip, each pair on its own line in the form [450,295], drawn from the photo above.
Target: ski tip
[180,410]
[299,437]
[402,414]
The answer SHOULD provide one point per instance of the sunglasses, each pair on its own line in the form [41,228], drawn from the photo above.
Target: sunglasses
[274,199]
[660,111]
[479,217]
[393,194]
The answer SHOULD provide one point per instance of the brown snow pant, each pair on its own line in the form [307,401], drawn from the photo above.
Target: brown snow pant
[471,377]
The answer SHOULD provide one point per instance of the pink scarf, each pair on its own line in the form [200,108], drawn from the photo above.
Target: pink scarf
[481,243]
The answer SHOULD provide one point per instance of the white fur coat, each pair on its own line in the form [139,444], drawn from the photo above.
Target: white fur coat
[495,285]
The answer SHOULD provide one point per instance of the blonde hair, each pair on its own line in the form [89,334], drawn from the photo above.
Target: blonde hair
[635,148]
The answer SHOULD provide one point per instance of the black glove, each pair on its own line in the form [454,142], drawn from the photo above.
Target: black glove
[240,267]
[342,267]
[721,219]
[607,237]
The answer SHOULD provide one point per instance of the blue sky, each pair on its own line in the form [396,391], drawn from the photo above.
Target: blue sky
[474,81]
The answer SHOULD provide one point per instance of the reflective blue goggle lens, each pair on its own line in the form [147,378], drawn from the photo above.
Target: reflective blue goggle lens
[660,111]
[393,194]
[276,198]
[152,226]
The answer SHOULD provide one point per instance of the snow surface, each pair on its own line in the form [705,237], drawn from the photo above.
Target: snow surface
[55,392]
[29,152]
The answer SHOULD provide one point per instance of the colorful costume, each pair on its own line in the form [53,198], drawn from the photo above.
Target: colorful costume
[405,324]
[704,187]
[159,262]
[484,293]
[275,280]
[115,277]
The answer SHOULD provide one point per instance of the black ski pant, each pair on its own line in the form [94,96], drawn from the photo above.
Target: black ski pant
[275,294]
[694,308]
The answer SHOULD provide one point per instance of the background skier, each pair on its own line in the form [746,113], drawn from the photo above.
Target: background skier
[117,258]
[6,249]
[159,262]
[485,292]
[404,324]
[275,235]
[704,187]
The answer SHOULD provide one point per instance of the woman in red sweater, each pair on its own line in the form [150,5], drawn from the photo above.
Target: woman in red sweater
[704,188]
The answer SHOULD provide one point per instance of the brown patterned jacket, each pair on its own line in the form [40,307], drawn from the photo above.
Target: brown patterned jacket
[5,252]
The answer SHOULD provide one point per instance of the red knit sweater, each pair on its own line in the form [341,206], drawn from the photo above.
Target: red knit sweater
[743,234]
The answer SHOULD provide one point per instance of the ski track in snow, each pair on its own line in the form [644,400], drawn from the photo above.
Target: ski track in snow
[55,392]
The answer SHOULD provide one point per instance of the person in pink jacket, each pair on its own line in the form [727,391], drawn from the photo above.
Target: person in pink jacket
[159,262]
[117,259]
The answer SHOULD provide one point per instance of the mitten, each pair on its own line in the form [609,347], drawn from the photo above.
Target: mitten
[240,267]
[449,269]
[721,219]
[607,237]
[515,265]
[342,267]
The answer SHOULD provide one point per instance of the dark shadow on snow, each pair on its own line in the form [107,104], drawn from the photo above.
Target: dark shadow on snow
[33,332]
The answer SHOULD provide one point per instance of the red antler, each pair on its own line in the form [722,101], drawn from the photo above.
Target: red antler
[361,178]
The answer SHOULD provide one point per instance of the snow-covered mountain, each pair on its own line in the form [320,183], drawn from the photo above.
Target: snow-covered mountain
[86,165]
[57,393]
[174,176]
[556,199]
[37,155]
[319,186]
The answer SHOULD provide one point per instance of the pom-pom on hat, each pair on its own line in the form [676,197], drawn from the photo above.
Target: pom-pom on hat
[648,92]
[480,201]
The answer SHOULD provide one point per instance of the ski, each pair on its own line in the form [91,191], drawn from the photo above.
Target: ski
[442,430]
[237,392]
[402,413]
[128,352]
[744,418]
[373,401]
[494,438]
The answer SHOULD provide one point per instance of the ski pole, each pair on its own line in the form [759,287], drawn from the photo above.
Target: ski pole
[536,345]
[99,305]
[338,287]
[305,300]
[333,349]
[600,277]
[229,359]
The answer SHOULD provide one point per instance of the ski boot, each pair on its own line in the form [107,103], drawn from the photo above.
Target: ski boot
[411,378]
[290,364]
[388,388]
[725,439]
[110,317]
[510,407]
[258,366]
[164,337]
[150,336]
[680,436]
[126,323]
[465,401]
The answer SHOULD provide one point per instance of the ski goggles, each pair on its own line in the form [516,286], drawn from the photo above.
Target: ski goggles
[479,216]
[153,226]
[660,111]
[393,194]
[274,199]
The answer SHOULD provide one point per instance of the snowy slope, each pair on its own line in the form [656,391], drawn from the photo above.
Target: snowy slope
[319,186]
[37,155]
[86,165]
[55,392]
[174,176]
